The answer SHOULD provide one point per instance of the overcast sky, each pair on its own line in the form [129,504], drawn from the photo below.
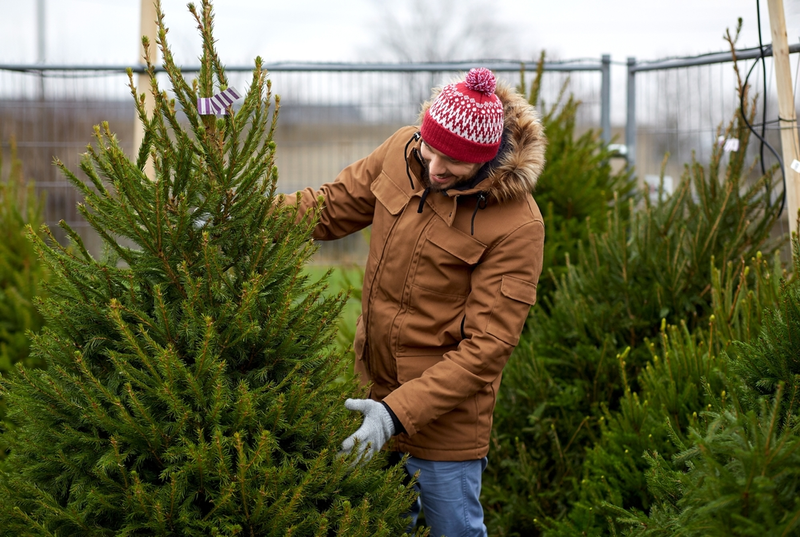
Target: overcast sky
[106,31]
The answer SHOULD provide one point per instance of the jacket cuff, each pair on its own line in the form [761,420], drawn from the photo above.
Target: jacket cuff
[398,427]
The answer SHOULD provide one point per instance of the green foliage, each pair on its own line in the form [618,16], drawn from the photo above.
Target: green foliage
[687,377]
[347,280]
[657,265]
[578,182]
[737,470]
[21,273]
[352,282]
[566,403]
[740,477]
[190,387]
[681,378]
[775,357]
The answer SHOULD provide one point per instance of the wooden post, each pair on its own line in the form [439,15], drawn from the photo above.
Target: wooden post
[786,111]
[149,27]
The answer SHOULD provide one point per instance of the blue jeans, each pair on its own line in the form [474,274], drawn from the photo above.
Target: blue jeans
[450,496]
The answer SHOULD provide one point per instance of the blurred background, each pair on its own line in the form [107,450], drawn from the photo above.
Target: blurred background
[351,72]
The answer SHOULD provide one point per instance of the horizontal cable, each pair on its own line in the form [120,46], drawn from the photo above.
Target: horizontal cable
[424,67]
[706,59]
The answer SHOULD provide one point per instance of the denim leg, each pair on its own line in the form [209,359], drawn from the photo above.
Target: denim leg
[450,494]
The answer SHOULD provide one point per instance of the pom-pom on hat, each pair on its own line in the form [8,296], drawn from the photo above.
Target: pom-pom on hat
[465,121]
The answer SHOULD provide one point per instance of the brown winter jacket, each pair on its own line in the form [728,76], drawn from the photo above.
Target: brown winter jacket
[448,284]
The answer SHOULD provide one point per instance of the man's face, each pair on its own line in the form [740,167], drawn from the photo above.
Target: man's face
[444,172]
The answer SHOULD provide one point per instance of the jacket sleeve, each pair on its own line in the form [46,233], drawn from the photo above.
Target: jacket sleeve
[346,205]
[503,290]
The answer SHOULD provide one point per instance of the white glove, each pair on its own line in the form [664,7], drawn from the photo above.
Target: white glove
[373,433]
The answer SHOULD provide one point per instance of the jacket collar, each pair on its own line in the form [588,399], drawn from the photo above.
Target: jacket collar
[481,182]
[445,204]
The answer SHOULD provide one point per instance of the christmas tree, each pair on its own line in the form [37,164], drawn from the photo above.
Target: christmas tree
[587,352]
[21,273]
[735,468]
[190,387]
[687,379]
[577,185]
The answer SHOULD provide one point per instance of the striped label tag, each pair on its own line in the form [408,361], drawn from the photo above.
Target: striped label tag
[219,104]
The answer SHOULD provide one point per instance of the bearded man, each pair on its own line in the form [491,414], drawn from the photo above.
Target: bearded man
[454,259]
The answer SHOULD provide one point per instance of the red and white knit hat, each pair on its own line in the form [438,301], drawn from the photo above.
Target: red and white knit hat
[465,121]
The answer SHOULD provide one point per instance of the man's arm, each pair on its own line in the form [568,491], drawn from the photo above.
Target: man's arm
[347,204]
[503,289]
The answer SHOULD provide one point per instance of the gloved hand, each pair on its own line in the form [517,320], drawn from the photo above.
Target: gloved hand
[374,432]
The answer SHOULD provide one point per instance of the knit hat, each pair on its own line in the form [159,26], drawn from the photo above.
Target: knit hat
[465,121]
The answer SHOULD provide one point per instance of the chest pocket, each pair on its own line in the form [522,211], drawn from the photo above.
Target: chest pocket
[447,258]
[391,201]
[389,194]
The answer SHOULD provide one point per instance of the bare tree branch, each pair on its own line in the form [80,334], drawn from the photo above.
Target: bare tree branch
[444,30]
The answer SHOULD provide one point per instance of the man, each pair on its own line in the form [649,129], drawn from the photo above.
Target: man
[455,255]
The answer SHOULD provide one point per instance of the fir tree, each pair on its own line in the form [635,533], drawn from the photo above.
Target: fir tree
[652,264]
[21,273]
[190,387]
[577,185]
[774,358]
[687,377]
[736,470]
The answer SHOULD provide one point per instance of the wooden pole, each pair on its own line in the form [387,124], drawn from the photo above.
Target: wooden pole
[149,27]
[786,111]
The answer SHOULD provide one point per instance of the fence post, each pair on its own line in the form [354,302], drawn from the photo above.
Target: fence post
[786,109]
[605,98]
[147,27]
[630,114]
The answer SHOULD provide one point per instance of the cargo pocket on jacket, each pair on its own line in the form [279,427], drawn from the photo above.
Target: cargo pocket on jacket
[431,324]
[392,197]
[511,309]
[447,259]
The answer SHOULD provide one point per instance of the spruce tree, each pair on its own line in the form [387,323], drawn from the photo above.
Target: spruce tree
[736,465]
[577,185]
[687,378]
[190,387]
[21,273]
[651,264]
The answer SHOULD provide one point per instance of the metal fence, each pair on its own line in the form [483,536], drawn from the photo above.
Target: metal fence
[681,106]
[334,114]
[331,115]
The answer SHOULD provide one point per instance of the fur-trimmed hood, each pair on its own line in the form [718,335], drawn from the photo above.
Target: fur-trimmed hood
[514,172]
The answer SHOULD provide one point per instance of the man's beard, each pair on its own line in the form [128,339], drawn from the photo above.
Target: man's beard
[434,187]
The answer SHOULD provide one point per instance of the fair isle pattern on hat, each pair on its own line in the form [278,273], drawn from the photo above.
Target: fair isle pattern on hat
[481,123]
[465,121]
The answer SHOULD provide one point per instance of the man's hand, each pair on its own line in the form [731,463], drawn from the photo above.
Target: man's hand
[373,433]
